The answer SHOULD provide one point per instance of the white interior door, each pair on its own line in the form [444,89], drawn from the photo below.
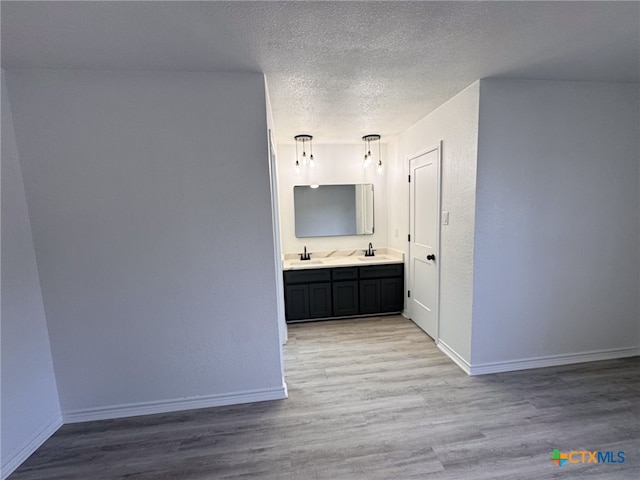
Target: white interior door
[424,211]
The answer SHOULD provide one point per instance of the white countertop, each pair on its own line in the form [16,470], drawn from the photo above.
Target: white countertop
[341,258]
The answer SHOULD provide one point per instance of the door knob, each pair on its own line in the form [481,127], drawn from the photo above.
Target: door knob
[431,257]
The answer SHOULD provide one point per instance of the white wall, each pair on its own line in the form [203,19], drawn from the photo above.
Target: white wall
[397,199]
[150,204]
[556,239]
[455,124]
[30,411]
[336,164]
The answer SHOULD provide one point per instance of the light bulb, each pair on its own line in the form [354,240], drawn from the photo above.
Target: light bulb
[367,160]
[297,167]
[305,160]
[380,168]
[312,161]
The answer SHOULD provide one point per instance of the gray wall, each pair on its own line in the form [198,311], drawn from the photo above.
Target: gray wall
[150,205]
[30,410]
[556,238]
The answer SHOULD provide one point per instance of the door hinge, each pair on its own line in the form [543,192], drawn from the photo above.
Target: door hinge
[408,293]
[409,179]
[409,237]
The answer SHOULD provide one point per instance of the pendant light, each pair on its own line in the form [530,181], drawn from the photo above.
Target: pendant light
[368,157]
[304,161]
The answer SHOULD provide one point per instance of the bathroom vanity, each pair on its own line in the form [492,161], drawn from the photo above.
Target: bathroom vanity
[338,286]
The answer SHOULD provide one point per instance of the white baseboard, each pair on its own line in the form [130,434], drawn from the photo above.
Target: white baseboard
[165,406]
[453,355]
[15,458]
[553,360]
[537,362]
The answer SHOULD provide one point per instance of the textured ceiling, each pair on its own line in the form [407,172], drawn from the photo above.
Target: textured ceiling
[337,70]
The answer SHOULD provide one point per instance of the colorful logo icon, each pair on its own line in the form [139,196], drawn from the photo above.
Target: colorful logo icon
[559,458]
[586,456]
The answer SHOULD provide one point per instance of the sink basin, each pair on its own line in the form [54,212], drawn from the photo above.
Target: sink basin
[306,262]
[373,259]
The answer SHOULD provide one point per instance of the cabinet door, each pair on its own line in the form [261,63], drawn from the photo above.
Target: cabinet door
[391,295]
[319,300]
[369,296]
[296,302]
[345,298]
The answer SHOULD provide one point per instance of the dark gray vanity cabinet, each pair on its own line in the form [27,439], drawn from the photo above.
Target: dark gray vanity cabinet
[320,300]
[381,289]
[381,295]
[308,294]
[343,291]
[391,294]
[296,301]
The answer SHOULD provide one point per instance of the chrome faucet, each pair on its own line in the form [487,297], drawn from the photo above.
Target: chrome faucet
[370,252]
[305,255]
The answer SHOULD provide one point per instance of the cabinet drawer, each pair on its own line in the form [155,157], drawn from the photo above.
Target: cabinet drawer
[347,273]
[307,276]
[382,271]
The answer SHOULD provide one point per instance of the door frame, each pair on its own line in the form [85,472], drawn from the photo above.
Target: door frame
[283,332]
[420,153]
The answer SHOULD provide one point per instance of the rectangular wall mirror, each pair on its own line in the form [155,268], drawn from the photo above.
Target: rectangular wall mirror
[333,210]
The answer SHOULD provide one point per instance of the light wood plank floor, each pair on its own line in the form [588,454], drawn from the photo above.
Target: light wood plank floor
[372,399]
